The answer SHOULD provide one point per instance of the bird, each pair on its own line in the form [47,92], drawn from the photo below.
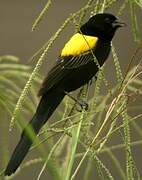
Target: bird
[74,67]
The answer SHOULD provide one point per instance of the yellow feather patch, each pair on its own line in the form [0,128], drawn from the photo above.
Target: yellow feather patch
[79,44]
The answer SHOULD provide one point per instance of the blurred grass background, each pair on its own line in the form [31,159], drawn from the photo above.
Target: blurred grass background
[17,39]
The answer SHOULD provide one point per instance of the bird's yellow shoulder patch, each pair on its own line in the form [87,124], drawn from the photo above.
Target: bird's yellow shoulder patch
[79,44]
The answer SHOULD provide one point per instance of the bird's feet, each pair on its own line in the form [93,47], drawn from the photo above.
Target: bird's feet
[83,104]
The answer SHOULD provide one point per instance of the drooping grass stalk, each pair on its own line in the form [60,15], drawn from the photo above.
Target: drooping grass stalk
[129,165]
[122,8]
[116,163]
[134,21]
[74,142]
[117,66]
[103,167]
[88,169]
[48,157]
[129,162]
[41,15]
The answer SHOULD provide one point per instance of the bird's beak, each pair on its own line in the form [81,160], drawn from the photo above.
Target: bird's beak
[117,24]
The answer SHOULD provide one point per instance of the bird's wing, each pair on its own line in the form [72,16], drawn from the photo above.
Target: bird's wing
[62,68]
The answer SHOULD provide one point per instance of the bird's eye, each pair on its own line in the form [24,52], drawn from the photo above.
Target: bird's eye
[107,20]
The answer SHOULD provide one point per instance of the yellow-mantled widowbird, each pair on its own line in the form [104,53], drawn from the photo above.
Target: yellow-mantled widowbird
[74,68]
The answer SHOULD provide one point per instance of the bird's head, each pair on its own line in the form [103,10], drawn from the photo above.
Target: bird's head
[102,26]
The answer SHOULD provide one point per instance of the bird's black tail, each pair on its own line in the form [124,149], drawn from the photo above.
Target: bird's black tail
[46,107]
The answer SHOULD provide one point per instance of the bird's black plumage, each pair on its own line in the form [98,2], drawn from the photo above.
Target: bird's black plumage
[69,73]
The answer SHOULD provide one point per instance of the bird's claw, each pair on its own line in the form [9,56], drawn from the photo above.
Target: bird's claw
[83,104]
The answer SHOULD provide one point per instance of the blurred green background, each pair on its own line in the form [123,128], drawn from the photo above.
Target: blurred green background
[16,38]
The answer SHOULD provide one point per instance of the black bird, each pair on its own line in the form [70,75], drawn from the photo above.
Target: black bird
[74,68]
